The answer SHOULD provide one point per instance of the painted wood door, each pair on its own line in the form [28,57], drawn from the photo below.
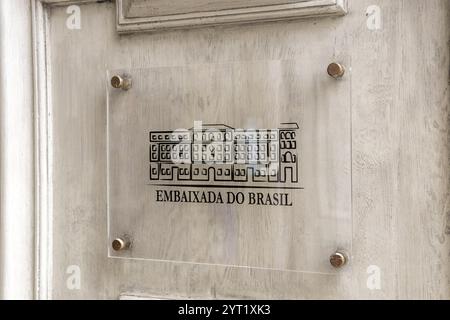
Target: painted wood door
[373,148]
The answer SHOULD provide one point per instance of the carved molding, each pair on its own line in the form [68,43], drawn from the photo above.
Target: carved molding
[145,15]
[160,15]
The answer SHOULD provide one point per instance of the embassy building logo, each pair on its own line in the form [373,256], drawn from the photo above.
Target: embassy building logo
[217,153]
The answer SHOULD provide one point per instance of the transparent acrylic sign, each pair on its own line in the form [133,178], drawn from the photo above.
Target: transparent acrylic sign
[244,164]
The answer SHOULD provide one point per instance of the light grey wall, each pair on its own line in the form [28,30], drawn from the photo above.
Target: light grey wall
[400,149]
[400,104]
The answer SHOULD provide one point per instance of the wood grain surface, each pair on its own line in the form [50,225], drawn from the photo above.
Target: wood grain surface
[400,150]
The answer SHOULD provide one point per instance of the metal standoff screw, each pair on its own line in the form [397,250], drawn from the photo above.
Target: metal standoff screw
[338,259]
[336,70]
[120,244]
[121,82]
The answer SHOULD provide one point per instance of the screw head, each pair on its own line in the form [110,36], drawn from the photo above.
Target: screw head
[119,244]
[338,260]
[336,70]
[117,82]
[121,82]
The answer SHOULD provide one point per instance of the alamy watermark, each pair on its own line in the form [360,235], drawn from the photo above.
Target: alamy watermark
[73,22]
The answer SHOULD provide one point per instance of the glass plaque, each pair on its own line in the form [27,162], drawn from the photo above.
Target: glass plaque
[244,164]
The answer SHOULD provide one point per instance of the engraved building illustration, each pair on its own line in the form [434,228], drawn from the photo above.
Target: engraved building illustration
[225,154]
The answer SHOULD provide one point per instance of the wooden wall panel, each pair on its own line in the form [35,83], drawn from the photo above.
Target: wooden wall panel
[400,103]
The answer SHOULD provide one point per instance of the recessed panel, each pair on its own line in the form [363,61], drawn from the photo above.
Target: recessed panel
[140,8]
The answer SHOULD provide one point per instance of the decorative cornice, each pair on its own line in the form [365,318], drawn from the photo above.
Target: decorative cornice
[127,22]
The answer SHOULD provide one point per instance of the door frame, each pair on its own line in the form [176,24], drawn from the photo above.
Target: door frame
[26,149]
